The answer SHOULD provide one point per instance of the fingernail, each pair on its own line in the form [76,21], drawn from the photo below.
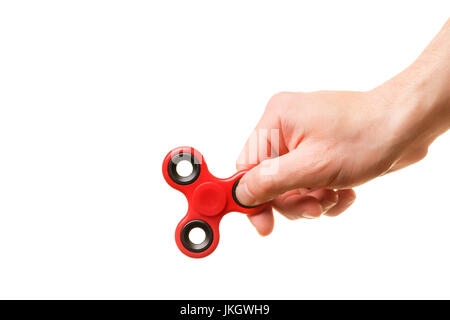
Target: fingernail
[243,195]
[327,205]
[310,216]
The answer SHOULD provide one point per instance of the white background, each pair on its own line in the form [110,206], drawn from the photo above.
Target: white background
[93,94]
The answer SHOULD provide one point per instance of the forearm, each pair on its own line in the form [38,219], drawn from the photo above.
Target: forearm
[420,95]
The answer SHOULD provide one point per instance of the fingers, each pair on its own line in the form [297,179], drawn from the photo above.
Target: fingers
[328,198]
[263,221]
[300,168]
[297,204]
[300,204]
[346,198]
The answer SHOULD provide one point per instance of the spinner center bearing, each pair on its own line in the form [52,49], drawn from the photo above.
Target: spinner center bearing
[209,198]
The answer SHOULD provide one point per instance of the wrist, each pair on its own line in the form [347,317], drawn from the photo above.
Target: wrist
[411,115]
[417,101]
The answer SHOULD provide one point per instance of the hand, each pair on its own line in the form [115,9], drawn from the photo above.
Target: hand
[327,141]
[330,142]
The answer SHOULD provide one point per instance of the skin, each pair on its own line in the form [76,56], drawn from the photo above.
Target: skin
[332,141]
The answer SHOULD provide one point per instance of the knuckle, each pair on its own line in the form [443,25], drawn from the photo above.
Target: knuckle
[421,154]
[320,164]
[266,184]
[277,101]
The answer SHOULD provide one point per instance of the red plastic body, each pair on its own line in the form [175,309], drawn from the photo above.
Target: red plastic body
[209,199]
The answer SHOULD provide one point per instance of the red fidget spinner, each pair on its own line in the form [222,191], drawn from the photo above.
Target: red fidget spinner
[209,198]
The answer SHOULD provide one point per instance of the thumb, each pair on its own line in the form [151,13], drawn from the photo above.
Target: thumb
[272,177]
